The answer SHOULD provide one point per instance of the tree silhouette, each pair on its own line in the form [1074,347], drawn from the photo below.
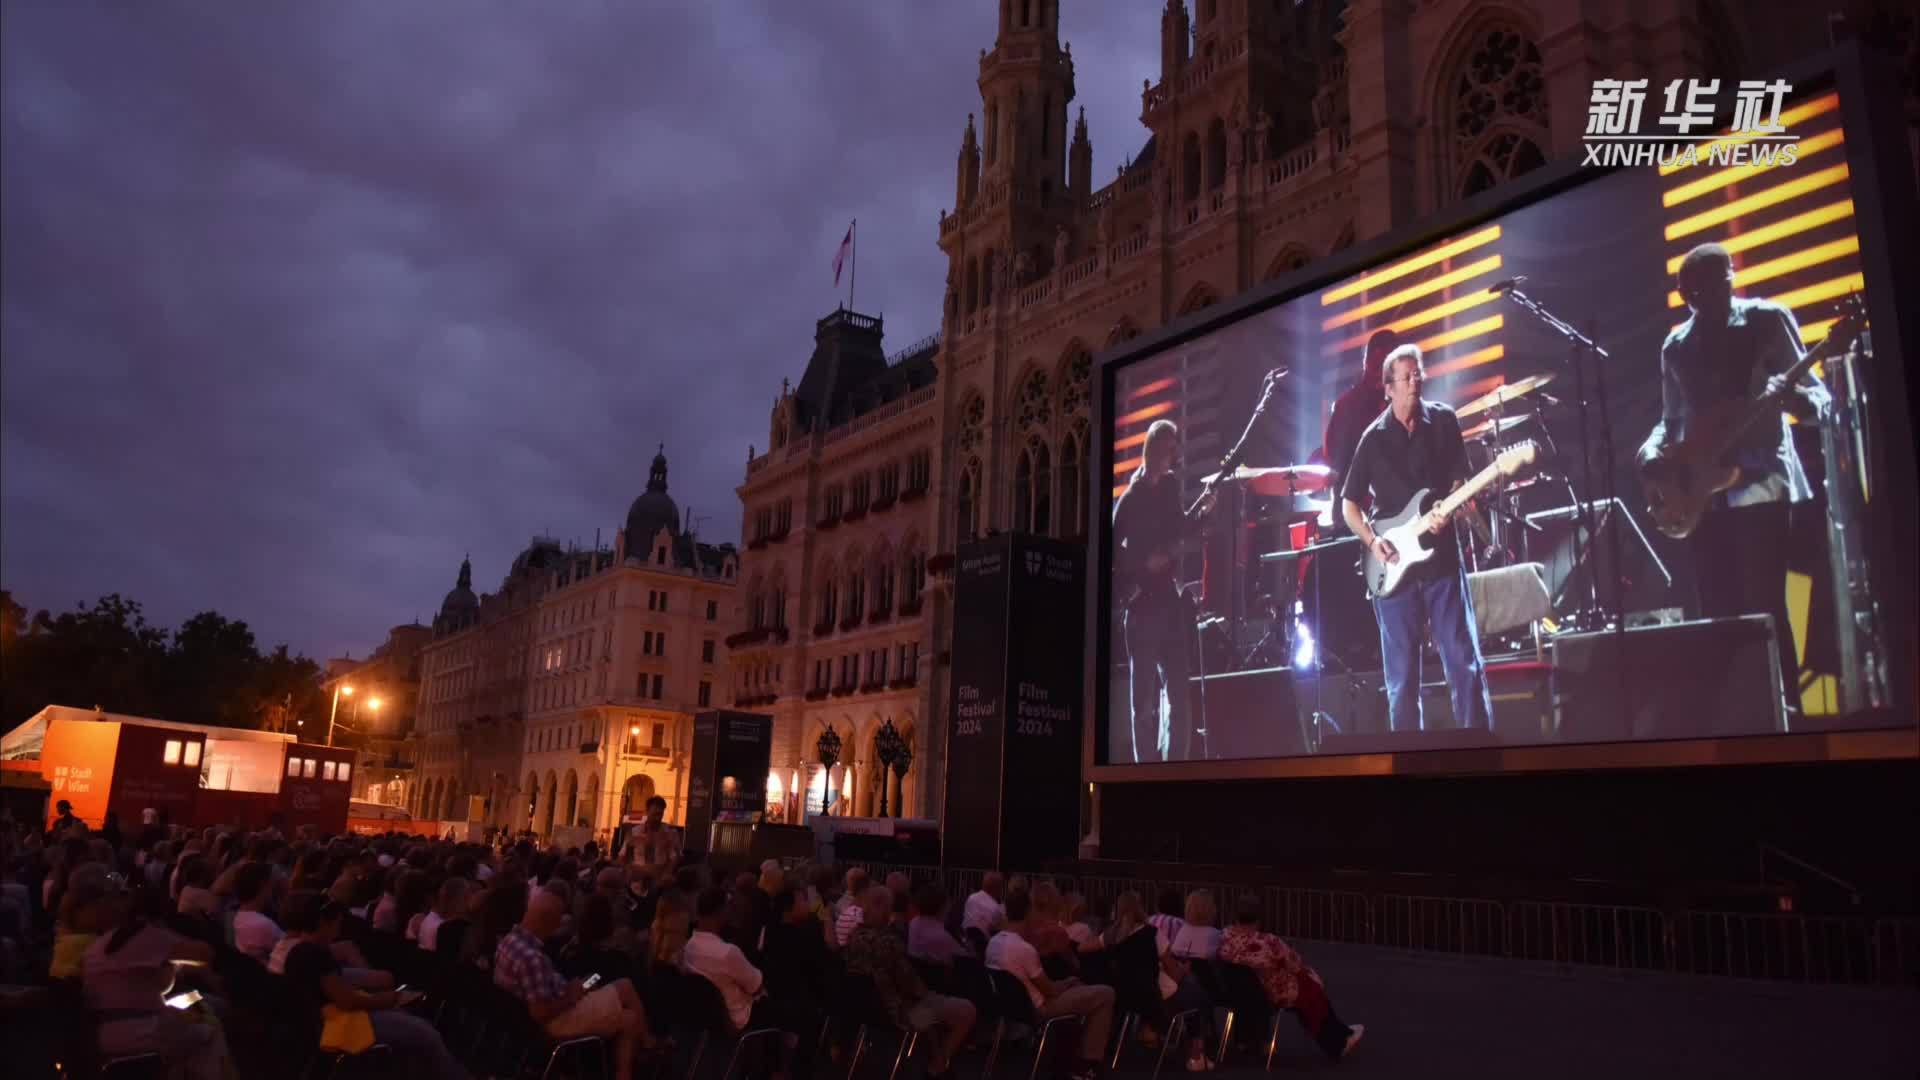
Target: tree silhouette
[210,671]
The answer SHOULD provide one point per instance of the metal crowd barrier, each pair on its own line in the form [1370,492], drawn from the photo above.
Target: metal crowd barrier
[1820,949]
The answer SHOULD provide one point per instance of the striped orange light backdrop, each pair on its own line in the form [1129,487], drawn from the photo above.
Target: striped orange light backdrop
[1436,298]
[1790,228]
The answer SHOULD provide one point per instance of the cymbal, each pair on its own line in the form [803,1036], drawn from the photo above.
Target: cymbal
[1501,394]
[1494,426]
[1280,479]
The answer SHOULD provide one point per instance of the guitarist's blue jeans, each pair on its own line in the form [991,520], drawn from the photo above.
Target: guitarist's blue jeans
[1443,603]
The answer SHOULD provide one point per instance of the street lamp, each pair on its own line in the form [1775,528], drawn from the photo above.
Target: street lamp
[332,713]
[891,748]
[828,750]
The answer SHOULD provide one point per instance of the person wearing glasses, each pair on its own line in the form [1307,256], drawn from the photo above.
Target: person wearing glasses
[1417,444]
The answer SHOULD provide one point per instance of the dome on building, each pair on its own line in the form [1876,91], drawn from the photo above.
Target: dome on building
[460,604]
[653,510]
[543,553]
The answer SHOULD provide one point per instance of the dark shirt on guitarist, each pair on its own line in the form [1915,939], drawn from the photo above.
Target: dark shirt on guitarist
[1149,520]
[1703,366]
[1392,463]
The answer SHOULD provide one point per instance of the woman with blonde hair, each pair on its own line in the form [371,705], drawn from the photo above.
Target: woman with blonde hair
[1197,940]
[1199,935]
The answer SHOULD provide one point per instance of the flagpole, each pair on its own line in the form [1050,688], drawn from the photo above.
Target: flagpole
[853,271]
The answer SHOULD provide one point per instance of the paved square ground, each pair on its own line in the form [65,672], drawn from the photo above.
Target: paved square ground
[1430,1015]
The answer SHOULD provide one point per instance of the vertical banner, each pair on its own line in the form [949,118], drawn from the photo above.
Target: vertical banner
[976,725]
[743,753]
[706,738]
[1040,795]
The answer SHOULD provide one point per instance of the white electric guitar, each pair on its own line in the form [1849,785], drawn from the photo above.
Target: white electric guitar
[1407,530]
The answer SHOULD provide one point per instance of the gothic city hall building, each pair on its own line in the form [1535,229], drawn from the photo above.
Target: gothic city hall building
[1276,132]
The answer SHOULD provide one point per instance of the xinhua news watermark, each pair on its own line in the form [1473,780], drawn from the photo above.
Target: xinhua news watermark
[1757,137]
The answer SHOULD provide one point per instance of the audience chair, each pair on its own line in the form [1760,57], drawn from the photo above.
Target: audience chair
[1013,1005]
[863,1004]
[520,1032]
[1247,1003]
[704,1011]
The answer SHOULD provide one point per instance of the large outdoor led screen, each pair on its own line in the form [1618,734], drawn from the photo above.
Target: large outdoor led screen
[1556,607]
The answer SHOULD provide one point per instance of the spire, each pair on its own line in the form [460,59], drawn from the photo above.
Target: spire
[466,574]
[657,479]
[1175,32]
[968,180]
[1080,162]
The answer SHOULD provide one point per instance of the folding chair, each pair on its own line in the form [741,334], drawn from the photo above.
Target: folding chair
[862,1002]
[704,1010]
[1013,1005]
[1246,1002]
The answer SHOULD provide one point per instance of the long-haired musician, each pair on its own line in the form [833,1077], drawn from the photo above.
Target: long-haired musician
[1149,525]
[1736,349]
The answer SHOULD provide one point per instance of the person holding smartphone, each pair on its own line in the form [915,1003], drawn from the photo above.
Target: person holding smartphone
[318,979]
[125,977]
[568,1009]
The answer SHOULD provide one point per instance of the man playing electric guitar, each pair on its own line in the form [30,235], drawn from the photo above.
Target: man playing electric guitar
[1148,526]
[1735,350]
[1416,445]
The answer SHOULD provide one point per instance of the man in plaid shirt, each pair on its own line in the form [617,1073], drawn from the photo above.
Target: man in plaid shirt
[568,1010]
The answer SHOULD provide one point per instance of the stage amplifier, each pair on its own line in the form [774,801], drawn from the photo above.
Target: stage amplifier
[1700,679]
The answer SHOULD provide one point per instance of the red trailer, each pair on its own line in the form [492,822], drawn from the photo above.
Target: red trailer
[196,774]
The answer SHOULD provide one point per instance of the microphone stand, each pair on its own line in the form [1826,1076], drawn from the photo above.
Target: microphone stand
[1584,349]
[1232,459]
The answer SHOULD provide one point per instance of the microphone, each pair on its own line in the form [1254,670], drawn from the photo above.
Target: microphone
[1278,373]
[1548,398]
[1506,285]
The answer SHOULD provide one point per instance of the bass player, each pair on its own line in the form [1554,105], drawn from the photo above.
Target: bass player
[1416,444]
[1734,349]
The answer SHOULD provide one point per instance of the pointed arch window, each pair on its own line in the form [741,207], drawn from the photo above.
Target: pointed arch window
[1190,167]
[913,578]
[967,517]
[855,607]
[829,600]
[1073,482]
[1075,378]
[883,582]
[1216,155]
[1497,102]
[973,419]
[1035,405]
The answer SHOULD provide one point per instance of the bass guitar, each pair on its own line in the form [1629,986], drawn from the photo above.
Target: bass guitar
[1407,530]
[1681,482]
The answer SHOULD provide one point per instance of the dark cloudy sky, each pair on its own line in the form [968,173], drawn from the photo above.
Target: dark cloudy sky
[303,301]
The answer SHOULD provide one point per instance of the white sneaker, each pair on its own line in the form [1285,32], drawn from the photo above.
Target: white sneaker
[1353,1039]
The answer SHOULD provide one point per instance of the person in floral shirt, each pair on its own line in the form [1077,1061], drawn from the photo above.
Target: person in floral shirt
[1288,981]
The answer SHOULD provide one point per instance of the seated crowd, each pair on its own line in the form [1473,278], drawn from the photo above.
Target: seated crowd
[211,947]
